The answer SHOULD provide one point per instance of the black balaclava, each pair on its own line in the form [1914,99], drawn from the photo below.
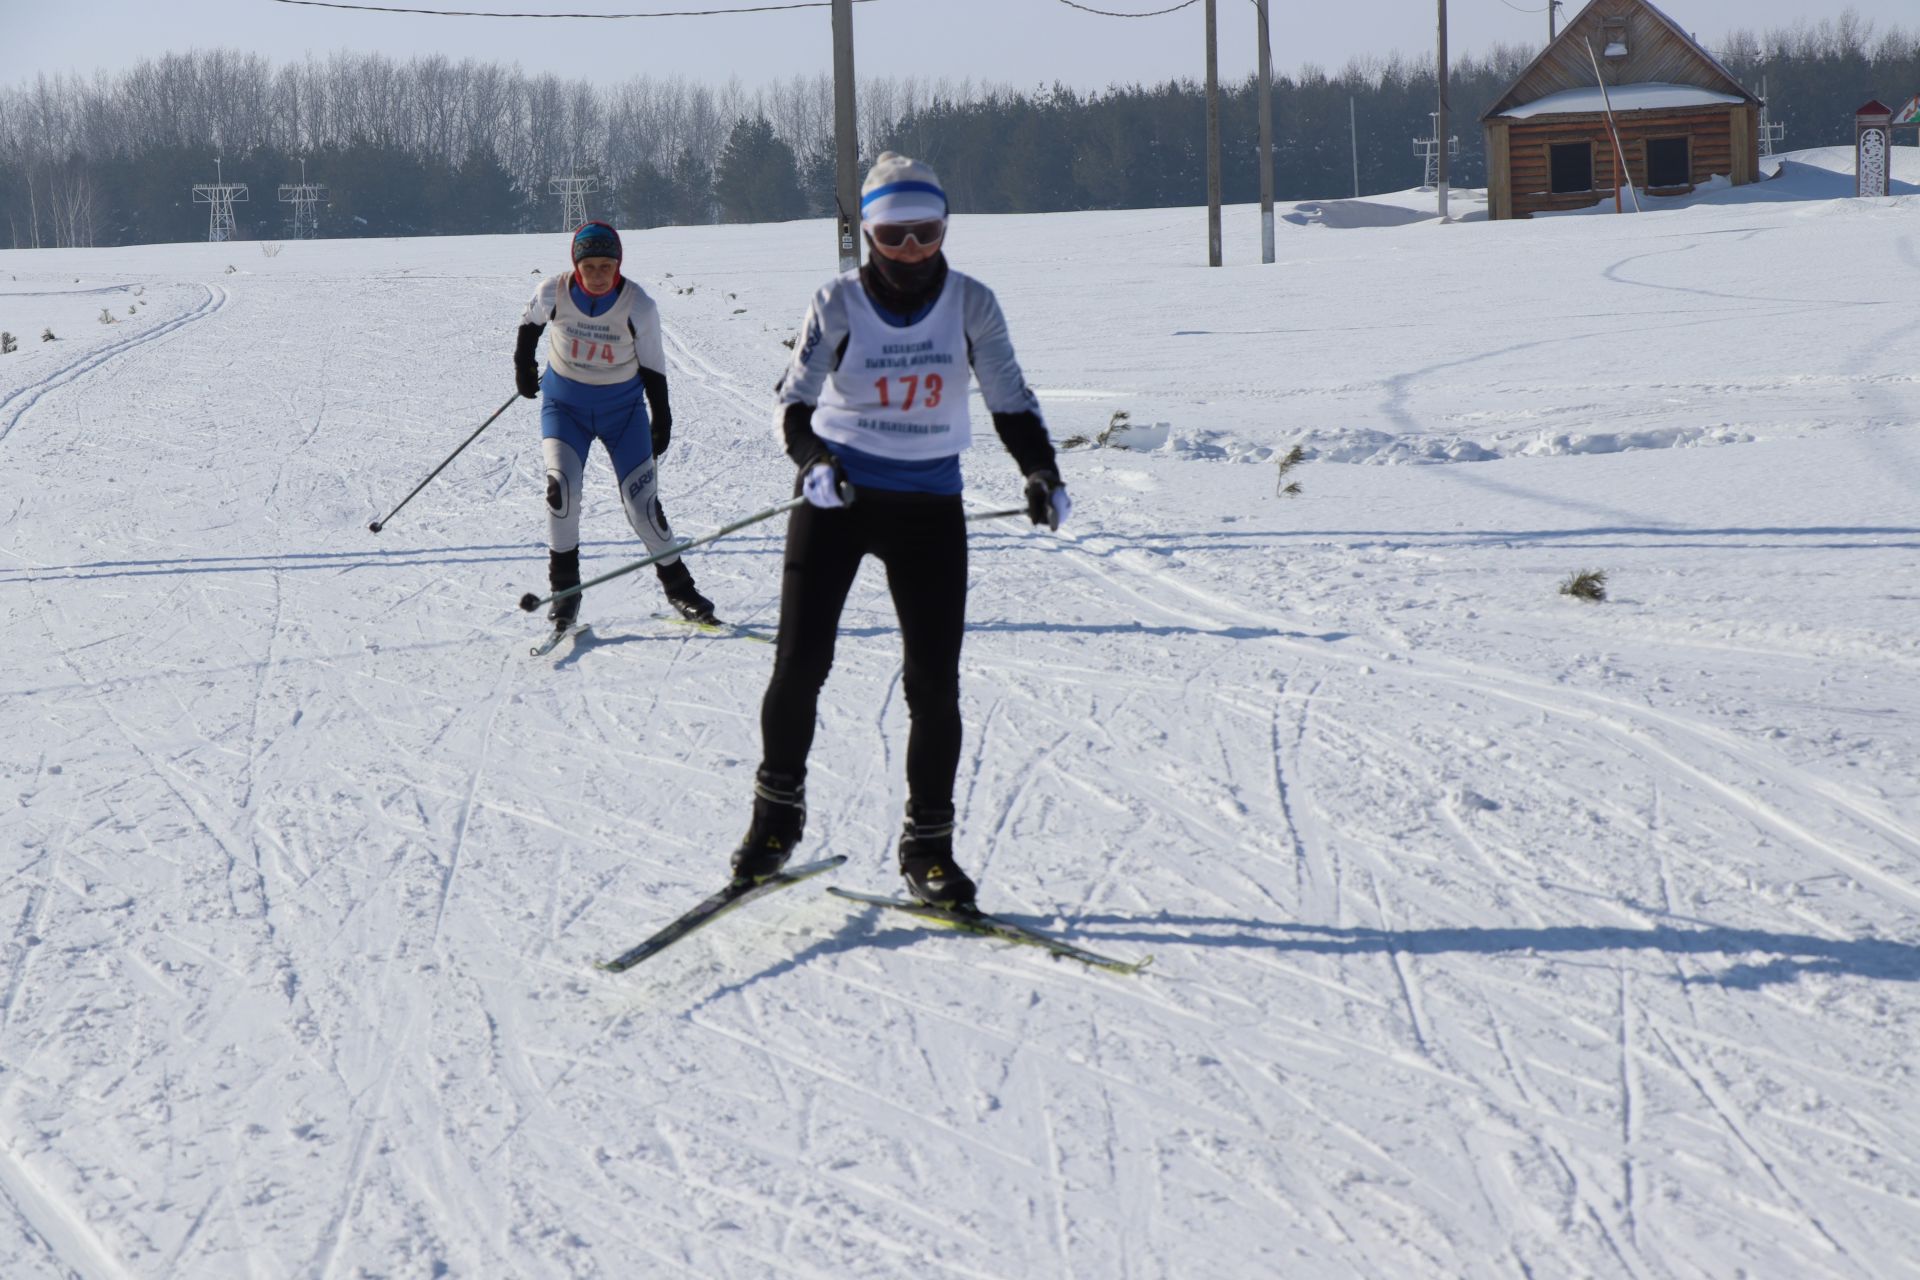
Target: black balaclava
[903,287]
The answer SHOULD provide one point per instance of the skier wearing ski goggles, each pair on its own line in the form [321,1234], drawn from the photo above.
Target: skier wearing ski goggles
[927,233]
[874,403]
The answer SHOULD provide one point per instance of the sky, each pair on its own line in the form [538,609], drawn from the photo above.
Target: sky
[1020,42]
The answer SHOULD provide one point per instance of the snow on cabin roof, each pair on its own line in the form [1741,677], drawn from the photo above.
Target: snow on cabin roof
[1626,97]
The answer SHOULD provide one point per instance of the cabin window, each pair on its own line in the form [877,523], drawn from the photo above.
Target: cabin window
[1668,164]
[1570,165]
[1614,32]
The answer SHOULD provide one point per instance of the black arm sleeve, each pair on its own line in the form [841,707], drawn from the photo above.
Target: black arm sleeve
[523,349]
[804,447]
[1026,439]
[658,410]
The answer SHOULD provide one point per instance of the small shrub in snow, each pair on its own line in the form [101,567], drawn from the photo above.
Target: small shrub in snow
[231,268]
[1588,584]
[1075,442]
[271,248]
[8,346]
[1283,487]
[107,316]
[46,335]
[1120,421]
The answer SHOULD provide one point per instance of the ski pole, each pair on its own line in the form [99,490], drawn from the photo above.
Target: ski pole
[995,515]
[380,524]
[530,601]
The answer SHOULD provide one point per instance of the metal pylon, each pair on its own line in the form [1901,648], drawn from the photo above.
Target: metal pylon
[222,196]
[573,194]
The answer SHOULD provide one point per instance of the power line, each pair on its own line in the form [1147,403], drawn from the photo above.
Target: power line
[659,13]
[1108,13]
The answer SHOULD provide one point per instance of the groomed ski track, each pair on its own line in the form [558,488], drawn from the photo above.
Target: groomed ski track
[1494,934]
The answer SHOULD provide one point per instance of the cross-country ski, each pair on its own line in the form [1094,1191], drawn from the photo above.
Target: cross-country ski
[734,894]
[973,920]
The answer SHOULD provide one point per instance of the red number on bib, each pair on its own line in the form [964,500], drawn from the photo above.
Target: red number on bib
[924,389]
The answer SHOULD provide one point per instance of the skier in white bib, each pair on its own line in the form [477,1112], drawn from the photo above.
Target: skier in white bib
[876,396]
[605,380]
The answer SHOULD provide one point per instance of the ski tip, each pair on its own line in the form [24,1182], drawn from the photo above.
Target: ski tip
[529,602]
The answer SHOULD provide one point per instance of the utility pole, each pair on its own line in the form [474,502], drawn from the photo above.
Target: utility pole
[1440,126]
[1353,128]
[1266,138]
[1213,136]
[846,186]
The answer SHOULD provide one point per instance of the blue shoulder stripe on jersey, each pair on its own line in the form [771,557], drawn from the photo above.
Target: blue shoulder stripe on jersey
[893,188]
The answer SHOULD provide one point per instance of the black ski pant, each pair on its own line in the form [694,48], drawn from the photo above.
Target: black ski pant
[921,539]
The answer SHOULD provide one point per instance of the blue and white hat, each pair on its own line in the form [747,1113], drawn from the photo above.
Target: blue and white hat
[901,189]
[596,240]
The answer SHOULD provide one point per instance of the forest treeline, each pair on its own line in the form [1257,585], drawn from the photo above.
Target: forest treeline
[429,146]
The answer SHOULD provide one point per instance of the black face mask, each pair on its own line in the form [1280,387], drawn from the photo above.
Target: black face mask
[904,286]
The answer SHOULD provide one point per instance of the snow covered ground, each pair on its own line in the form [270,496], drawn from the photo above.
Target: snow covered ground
[1495,933]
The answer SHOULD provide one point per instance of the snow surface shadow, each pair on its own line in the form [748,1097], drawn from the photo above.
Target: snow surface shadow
[1794,954]
[859,931]
[1668,535]
[1123,629]
[292,562]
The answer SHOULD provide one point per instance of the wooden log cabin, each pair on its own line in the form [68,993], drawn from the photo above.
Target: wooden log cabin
[1682,117]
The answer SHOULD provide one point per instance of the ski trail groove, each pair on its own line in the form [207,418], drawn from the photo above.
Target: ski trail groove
[28,396]
[464,821]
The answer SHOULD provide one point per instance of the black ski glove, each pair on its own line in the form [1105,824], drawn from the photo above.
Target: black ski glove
[659,409]
[526,369]
[1047,501]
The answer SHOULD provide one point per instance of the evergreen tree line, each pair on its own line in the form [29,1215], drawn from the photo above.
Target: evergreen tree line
[433,147]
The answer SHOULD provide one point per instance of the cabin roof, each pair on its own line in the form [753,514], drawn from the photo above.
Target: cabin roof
[1659,52]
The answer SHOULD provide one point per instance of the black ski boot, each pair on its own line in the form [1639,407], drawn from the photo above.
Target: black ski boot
[779,818]
[677,580]
[926,860]
[563,571]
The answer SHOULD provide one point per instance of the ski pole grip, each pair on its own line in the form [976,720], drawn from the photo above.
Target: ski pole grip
[846,491]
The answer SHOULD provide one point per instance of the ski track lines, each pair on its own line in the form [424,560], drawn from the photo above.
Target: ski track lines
[1651,736]
[67,1245]
[15,406]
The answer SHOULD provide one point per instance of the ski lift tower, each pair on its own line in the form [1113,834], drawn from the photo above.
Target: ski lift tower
[222,196]
[305,197]
[573,194]
[1428,149]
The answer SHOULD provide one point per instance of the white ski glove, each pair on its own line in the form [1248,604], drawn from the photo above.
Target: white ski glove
[821,486]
